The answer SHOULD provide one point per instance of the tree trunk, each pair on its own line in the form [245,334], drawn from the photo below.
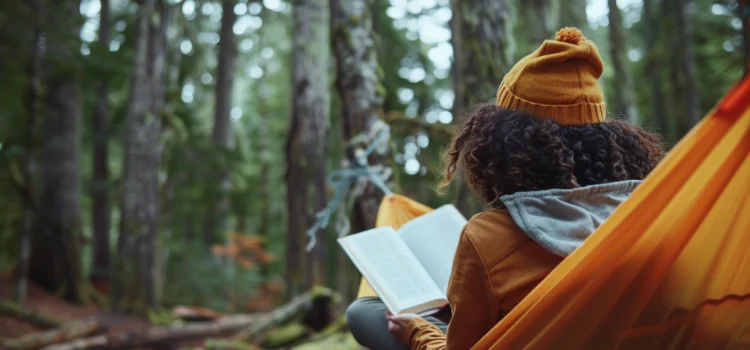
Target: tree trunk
[687,66]
[483,52]
[306,142]
[623,82]
[29,166]
[357,85]
[357,82]
[100,272]
[265,169]
[538,20]
[55,248]
[137,285]
[573,14]
[653,67]
[222,130]
[682,69]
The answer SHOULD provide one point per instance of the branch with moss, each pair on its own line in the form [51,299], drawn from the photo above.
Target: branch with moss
[399,121]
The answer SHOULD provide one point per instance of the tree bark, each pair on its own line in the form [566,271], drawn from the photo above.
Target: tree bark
[623,82]
[55,248]
[222,130]
[306,142]
[483,52]
[265,169]
[100,272]
[538,20]
[573,14]
[653,67]
[136,289]
[29,165]
[357,85]
[682,69]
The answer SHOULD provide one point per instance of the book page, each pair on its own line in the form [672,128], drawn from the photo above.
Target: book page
[392,269]
[433,238]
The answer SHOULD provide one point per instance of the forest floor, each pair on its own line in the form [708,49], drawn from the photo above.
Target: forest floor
[285,326]
[46,303]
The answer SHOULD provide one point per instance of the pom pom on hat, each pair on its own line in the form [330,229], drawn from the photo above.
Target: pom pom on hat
[570,35]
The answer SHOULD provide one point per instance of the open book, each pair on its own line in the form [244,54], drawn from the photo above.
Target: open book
[409,268]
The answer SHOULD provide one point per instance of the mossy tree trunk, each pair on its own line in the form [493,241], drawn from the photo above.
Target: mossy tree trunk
[306,141]
[358,86]
[137,268]
[482,53]
[55,248]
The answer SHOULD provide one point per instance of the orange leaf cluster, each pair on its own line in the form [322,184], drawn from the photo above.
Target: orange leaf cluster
[246,250]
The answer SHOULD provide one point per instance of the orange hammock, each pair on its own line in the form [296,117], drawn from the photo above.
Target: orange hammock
[670,269]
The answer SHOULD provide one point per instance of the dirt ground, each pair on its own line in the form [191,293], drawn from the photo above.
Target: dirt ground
[59,310]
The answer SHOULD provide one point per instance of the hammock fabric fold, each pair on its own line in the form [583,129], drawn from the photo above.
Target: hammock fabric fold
[670,269]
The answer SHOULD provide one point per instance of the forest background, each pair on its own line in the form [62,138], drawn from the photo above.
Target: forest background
[156,153]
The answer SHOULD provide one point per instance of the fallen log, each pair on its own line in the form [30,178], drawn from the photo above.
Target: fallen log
[161,335]
[282,314]
[35,318]
[64,333]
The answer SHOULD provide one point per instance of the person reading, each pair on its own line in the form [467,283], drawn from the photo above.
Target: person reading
[551,169]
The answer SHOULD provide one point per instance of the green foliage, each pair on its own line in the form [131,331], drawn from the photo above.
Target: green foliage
[196,278]
[262,92]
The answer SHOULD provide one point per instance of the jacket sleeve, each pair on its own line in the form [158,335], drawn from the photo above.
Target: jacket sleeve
[475,310]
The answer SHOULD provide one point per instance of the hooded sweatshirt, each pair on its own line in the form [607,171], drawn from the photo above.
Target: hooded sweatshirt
[504,253]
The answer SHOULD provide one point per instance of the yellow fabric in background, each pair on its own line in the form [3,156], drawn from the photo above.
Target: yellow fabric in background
[394,211]
[670,269]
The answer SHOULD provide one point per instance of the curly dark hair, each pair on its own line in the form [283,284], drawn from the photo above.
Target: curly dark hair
[503,151]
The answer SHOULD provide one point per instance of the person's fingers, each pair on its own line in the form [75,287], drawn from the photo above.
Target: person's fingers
[403,322]
[394,328]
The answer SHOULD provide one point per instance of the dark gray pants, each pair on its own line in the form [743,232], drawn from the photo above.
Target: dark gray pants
[366,320]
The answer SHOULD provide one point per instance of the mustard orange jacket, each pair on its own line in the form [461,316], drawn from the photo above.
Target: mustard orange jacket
[504,253]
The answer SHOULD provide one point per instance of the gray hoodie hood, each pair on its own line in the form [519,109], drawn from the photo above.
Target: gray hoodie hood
[560,220]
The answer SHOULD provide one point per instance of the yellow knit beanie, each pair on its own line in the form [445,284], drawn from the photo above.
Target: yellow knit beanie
[558,81]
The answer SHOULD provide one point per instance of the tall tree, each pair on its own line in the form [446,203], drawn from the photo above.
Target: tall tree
[357,85]
[222,130]
[55,250]
[573,14]
[653,66]
[682,67]
[307,138]
[33,72]
[100,272]
[482,53]
[538,20]
[622,88]
[137,270]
